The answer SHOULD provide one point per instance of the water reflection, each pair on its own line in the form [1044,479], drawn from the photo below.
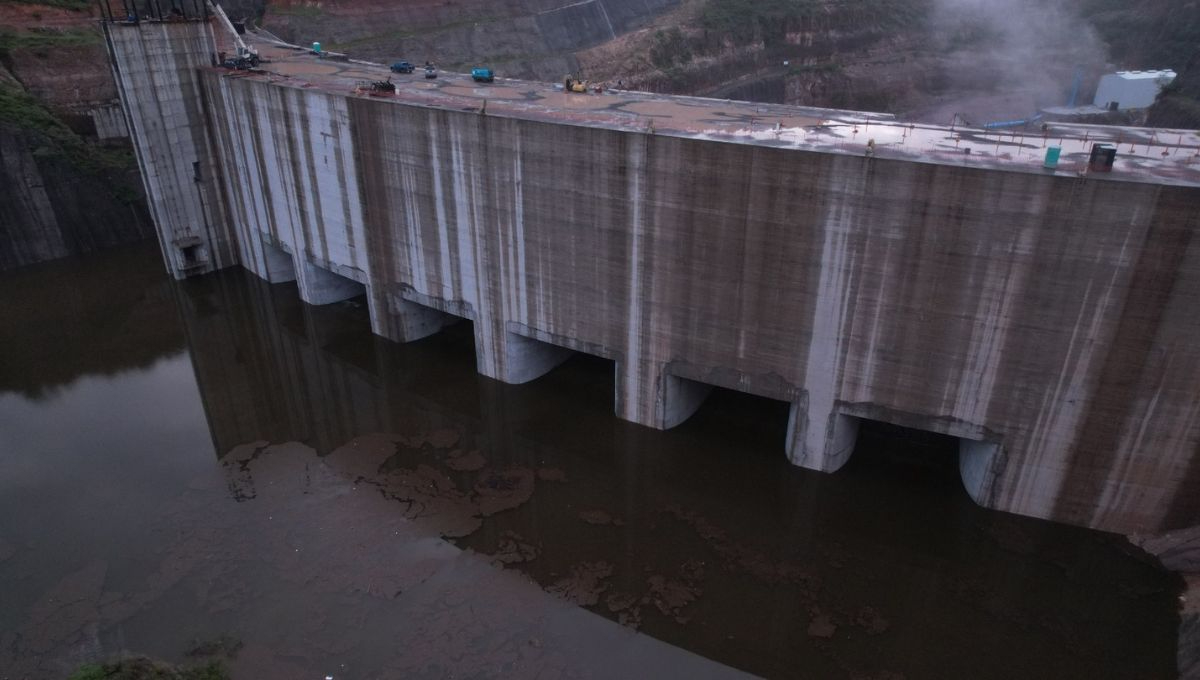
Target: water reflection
[87,315]
[307,521]
[703,536]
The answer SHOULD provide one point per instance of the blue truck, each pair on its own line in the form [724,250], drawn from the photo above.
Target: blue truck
[482,75]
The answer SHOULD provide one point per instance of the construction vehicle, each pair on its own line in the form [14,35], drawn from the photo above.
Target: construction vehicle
[377,88]
[573,84]
[245,59]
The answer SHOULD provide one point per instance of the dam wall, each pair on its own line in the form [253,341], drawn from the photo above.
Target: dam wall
[155,67]
[1046,320]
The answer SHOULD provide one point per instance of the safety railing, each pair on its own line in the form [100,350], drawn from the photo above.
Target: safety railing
[133,12]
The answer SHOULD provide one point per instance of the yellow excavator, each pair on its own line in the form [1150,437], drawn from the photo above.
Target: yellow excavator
[573,84]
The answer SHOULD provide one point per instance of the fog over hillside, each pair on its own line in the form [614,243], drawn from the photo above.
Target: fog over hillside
[1029,46]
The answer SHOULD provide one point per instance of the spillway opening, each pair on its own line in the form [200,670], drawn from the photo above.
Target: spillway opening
[527,358]
[581,387]
[922,457]
[906,450]
[320,286]
[740,420]
[342,330]
[456,340]
[277,264]
[407,320]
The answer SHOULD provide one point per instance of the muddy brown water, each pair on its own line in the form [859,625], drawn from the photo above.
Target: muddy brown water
[216,461]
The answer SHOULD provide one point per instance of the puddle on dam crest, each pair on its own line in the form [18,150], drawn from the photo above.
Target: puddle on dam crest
[182,462]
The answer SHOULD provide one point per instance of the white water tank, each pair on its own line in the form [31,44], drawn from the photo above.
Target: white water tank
[1131,89]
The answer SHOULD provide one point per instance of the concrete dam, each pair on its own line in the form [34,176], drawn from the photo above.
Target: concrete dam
[850,265]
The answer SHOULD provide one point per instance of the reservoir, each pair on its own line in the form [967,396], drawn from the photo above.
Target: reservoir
[215,465]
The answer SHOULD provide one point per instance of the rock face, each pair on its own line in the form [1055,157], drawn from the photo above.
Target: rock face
[741,54]
[519,38]
[925,59]
[50,207]
[913,57]
[1153,34]
[68,180]
[1179,105]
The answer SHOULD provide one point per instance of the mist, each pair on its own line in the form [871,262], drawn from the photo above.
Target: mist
[1006,58]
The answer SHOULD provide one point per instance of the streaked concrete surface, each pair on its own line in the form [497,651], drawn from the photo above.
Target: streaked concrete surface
[154,65]
[1045,318]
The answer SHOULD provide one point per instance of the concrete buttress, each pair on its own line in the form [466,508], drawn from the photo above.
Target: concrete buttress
[1046,319]
[155,66]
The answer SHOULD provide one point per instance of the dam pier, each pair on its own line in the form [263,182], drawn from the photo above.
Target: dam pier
[853,266]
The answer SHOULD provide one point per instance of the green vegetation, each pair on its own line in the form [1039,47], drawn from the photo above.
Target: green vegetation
[1175,107]
[825,67]
[1152,34]
[18,107]
[73,5]
[670,48]
[147,669]
[901,13]
[40,39]
[971,37]
[222,645]
[22,111]
[389,39]
[747,21]
[769,21]
[1145,34]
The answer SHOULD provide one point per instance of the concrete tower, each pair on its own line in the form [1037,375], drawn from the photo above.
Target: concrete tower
[155,61]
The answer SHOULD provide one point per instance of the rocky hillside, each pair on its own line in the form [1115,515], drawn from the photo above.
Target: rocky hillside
[1179,105]
[63,189]
[1146,34]
[60,195]
[836,53]
[519,38]
[1150,34]
[927,59]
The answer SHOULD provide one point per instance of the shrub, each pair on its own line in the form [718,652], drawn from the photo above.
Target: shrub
[746,21]
[147,669]
[670,48]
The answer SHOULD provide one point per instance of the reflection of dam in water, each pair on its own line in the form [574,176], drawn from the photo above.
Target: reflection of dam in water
[271,367]
[766,558]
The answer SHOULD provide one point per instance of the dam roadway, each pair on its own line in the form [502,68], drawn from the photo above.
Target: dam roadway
[851,265]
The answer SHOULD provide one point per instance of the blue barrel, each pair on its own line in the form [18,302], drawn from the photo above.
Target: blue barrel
[1052,155]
